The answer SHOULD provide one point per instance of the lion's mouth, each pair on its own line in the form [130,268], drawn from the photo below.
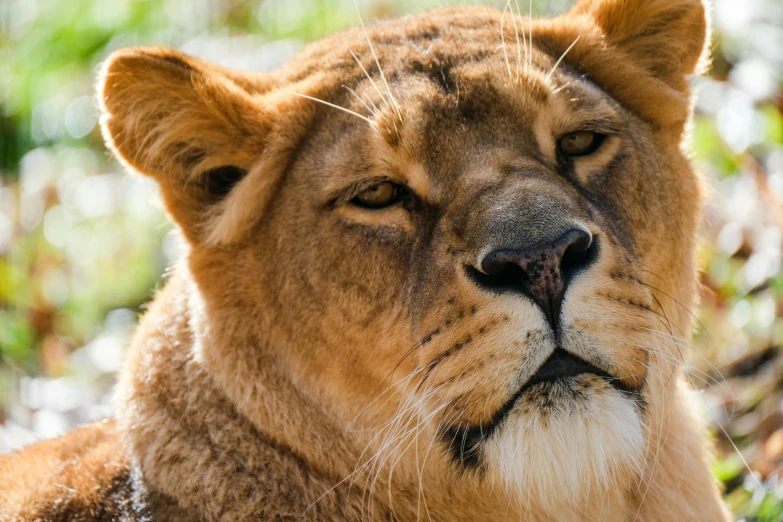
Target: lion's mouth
[465,441]
[561,365]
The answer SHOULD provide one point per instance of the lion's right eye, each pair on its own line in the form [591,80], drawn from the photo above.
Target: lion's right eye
[580,143]
[380,195]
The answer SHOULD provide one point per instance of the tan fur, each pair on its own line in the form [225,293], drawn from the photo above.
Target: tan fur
[309,359]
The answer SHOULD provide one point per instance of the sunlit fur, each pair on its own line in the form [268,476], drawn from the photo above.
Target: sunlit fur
[312,359]
[573,450]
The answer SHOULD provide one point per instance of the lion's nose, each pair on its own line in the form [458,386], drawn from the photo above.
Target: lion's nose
[541,272]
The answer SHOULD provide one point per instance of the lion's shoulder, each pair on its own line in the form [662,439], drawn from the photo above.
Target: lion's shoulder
[82,476]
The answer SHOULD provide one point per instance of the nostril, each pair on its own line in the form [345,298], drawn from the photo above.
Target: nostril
[499,271]
[500,262]
[578,240]
[579,255]
[541,272]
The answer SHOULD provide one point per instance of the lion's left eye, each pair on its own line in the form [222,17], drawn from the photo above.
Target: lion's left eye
[579,143]
[381,195]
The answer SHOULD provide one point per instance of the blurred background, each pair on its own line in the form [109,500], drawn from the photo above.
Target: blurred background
[83,244]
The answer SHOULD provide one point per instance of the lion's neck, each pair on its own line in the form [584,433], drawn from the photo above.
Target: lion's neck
[254,450]
[191,442]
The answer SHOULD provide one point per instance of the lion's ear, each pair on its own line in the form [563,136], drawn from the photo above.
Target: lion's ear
[667,38]
[196,128]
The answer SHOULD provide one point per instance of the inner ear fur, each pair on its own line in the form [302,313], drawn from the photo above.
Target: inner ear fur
[640,50]
[196,128]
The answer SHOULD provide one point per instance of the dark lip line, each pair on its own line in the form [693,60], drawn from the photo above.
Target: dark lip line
[469,438]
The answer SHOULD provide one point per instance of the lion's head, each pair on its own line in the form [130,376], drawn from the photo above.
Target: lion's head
[452,252]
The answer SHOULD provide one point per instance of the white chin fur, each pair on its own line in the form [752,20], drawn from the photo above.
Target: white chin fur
[572,448]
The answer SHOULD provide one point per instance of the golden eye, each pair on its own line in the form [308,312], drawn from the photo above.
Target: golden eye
[381,195]
[580,143]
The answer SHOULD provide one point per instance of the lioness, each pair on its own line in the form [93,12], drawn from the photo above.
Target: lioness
[439,269]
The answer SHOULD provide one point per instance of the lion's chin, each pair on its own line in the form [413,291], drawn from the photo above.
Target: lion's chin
[565,440]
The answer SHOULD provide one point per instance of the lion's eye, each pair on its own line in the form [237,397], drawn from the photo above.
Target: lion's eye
[381,195]
[579,143]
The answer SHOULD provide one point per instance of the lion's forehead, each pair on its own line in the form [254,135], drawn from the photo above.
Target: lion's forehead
[452,48]
[460,34]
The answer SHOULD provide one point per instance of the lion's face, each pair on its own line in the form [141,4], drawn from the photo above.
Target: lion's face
[454,257]
[476,266]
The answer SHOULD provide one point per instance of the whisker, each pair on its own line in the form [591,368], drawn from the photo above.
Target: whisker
[516,34]
[375,85]
[503,37]
[332,105]
[369,98]
[417,429]
[562,87]
[524,37]
[389,437]
[685,308]
[427,453]
[378,63]
[554,67]
[706,403]
[708,379]
[408,353]
[648,285]
[685,341]
[726,433]
[400,440]
[387,441]
[360,99]
[530,33]
[389,389]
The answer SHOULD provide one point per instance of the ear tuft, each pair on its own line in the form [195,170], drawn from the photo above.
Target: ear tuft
[667,38]
[165,113]
[196,128]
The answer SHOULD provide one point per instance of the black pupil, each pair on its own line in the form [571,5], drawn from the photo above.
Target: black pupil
[580,143]
[576,139]
[377,196]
